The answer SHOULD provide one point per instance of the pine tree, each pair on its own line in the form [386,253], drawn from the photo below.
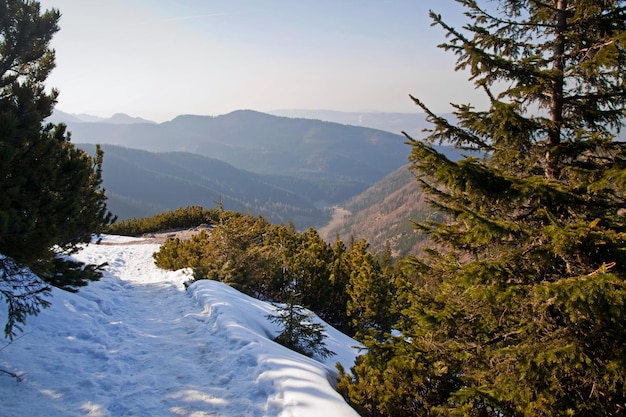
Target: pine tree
[369,292]
[299,333]
[522,304]
[52,198]
[337,296]
[310,269]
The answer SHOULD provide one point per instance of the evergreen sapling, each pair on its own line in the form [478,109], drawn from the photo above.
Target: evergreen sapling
[299,333]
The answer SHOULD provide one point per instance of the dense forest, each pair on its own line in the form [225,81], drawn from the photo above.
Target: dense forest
[518,305]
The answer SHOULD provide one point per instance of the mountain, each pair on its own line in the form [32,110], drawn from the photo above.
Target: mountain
[382,214]
[59,116]
[343,160]
[124,119]
[411,123]
[141,183]
[286,169]
[137,343]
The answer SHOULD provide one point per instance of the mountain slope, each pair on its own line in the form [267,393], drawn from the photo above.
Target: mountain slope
[264,144]
[118,118]
[382,214]
[412,123]
[140,183]
[137,343]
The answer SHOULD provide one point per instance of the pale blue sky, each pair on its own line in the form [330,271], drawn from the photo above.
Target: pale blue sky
[158,58]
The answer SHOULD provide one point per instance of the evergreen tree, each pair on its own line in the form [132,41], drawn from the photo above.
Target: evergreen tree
[299,333]
[269,262]
[337,297]
[369,292]
[521,308]
[52,198]
[310,269]
[305,265]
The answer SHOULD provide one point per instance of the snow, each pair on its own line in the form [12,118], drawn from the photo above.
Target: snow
[136,343]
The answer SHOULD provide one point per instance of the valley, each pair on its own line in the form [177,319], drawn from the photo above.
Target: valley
[346,180]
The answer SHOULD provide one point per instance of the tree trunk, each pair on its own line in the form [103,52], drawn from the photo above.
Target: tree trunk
[556,105]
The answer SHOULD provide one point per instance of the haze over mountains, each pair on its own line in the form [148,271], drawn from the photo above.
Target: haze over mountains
[292,167]
[263,143]
[139,183]
[411,123]
[118,118]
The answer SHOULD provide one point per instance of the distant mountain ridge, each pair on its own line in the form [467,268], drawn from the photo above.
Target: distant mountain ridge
[286,169]
[411,123]
[59,116]
[392,122]
[263,143]
[342,160]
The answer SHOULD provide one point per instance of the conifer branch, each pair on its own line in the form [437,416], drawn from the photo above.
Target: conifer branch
[604,268]
[460,135]
[501,338]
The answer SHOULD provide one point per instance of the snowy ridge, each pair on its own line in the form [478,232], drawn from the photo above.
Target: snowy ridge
[137,344]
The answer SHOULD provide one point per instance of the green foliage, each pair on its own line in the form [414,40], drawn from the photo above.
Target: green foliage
[305,265]
[233,252]
[270,262]
[51,190]
[299,333]
[369,292]
[52,198]
[520,307]
[399,378]
[184,217]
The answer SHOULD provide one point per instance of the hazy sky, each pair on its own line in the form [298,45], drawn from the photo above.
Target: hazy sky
[159,58]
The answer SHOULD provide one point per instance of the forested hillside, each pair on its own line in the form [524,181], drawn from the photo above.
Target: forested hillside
[305,167]
[335,155]
[141,184]
[384,215]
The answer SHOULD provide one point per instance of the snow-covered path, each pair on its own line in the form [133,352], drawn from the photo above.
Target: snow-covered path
[137,344]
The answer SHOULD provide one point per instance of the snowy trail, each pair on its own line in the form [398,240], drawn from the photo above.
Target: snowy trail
[137,344]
